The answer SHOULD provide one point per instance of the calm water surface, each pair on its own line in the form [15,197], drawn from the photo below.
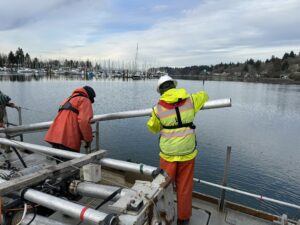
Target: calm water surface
[262,126]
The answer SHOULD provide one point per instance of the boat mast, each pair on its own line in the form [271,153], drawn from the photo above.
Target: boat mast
[136,57]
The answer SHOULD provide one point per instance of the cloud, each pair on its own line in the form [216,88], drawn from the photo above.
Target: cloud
[198,32]
[214,32]
[17,13]
[159,8]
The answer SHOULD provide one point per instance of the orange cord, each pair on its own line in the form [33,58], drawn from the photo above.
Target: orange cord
[21,209]
[0,210]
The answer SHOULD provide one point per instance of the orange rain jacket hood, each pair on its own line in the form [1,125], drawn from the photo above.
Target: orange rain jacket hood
[69,128]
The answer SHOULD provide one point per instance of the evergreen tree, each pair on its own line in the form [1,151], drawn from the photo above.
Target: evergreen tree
[35,63]
[284,65]
[245,69]
[257,65]
[11,59]
[285,56]
[20,56]
[292,54]
[27,60]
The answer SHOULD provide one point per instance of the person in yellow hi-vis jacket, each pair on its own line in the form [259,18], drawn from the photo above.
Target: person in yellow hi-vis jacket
[173,117]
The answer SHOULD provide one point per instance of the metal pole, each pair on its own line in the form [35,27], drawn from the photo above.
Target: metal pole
[89,189]
[19,109]
[112,163]
[220,103]
[71,209]
[222,199]
[41,149]
[259,197]
[97,136]
[128,166]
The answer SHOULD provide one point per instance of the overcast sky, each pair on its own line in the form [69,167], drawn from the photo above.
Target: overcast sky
[172,33]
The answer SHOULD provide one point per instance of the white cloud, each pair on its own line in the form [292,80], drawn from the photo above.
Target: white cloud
[215,31]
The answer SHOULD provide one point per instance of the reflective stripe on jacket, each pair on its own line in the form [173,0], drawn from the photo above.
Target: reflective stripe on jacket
[176,139]
[172,96]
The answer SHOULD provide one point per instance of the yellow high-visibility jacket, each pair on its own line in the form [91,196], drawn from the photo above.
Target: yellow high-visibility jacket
[177,138]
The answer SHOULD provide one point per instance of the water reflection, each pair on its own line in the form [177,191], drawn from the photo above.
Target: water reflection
[262,126]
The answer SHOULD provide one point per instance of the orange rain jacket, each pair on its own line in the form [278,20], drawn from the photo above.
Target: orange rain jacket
[69,128]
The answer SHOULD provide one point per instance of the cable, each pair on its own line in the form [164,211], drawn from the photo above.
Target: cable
[146,197]
[34,215]
[34,110]
[24,214]
[110,197]
[19,156]
[19,209]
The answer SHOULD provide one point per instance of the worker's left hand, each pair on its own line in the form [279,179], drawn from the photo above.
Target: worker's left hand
[10,104]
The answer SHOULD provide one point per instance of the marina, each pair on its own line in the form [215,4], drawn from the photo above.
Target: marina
[149,112]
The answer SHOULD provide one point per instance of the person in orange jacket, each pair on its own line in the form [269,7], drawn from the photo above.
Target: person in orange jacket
[72,123]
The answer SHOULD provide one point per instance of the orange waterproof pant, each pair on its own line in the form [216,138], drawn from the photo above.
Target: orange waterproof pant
[182,173]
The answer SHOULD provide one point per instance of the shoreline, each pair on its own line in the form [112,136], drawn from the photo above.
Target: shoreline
[238,79]
[18,77]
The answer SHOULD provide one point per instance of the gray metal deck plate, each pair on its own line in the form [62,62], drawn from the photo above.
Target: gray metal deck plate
[229,217]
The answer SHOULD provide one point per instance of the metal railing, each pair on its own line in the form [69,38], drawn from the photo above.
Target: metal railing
[135,167]
[128,166]
[38,127]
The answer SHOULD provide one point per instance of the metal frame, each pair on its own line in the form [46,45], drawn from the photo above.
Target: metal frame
[37,127]
[127,166]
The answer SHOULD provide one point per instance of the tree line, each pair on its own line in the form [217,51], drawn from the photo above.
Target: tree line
[21,59]
[288,67]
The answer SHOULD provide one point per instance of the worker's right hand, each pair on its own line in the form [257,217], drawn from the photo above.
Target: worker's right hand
[87,144]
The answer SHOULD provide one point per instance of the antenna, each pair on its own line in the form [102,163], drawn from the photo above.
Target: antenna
[136,56]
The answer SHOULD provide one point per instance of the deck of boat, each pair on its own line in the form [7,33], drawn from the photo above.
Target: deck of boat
[205,208]
[204,213]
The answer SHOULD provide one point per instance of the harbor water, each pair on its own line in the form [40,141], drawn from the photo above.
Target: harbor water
[262,127]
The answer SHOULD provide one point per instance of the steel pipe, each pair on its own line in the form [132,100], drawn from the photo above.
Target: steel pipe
[41,220]
[112,163]
[89,189]
[219,103]
[260,197]
[36,127]
[41,149]
[128,166]
[29,128]
[71,209]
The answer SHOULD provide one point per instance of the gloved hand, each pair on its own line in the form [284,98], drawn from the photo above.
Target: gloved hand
[87,144]
[10,104]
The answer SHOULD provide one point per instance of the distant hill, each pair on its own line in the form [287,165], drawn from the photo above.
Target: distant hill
[285,69]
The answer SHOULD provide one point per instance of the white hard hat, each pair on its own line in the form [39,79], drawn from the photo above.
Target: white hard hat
[164,79]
